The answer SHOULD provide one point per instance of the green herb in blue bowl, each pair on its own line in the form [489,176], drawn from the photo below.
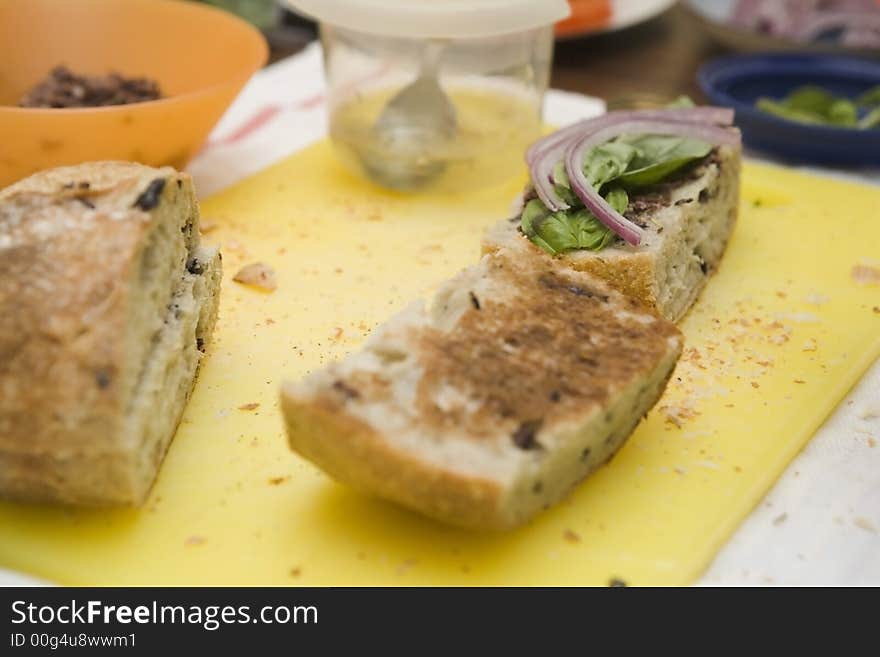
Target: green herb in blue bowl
[815,105]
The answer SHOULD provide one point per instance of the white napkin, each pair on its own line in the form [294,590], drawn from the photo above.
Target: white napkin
[821,522]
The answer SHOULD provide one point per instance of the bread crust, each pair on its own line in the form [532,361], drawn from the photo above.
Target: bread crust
[71,242]
[356,454]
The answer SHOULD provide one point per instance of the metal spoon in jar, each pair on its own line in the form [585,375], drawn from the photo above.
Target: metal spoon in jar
[413,129]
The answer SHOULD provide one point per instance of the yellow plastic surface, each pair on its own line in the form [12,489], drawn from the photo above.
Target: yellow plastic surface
[777,339]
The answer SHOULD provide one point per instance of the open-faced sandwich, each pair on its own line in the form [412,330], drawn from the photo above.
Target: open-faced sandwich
[107,303]
[520,380]
[645,199]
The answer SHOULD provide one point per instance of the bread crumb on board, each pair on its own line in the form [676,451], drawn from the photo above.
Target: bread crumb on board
[678,415]
[864,523]
[406,566]
[571,536]
[194,541]
[257,274]
[235,247]
[865,275]
[870,411]
[252,406]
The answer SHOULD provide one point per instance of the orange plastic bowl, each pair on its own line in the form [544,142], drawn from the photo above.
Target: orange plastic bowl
[200,56]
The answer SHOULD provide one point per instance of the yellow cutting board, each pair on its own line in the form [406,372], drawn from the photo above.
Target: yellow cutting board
[779,336]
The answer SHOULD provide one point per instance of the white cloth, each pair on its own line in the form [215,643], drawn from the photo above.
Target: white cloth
[819,525]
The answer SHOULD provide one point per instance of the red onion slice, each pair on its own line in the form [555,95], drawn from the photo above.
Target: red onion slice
[543,155]
[578,149]
[707,115]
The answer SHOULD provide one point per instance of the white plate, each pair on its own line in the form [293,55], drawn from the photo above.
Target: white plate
[632,12]
[626,13]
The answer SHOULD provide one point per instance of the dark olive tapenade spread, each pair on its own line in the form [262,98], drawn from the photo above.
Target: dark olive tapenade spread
[63,89]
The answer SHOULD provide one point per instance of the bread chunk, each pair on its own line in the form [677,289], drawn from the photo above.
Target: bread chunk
[519,380]
[107,304]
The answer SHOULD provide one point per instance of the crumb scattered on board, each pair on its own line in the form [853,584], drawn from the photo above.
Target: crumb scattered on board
[677,415]
[864,523]
[295,572]
[870,412]
[277,481]
[236,247]
[571,536]
[249,407]
[781,518]
[404,567]
[194,541]
[866,275]
[257,274]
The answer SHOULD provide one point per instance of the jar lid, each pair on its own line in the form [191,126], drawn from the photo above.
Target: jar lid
[436,19]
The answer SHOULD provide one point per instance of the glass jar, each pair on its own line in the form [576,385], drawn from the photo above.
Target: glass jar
[442,94]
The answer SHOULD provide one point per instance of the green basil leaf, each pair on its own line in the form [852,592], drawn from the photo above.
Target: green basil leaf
[814,105]
[843,112]
[558,232]
[871,98]
[563,186]
[812,99]
[534,211]
[618,199]
[681,101]
[783,111]
[660,156]
[608,161]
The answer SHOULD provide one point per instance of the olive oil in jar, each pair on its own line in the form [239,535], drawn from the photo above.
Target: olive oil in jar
[494,128]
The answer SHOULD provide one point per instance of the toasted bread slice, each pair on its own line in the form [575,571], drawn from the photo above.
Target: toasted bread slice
[687,222]
[107,303]
[520,380]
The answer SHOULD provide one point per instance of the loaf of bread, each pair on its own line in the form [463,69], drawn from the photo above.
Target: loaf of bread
[107,303]
[521,378]
[687,223]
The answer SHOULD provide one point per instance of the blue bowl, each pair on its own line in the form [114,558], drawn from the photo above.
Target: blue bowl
[738,81]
